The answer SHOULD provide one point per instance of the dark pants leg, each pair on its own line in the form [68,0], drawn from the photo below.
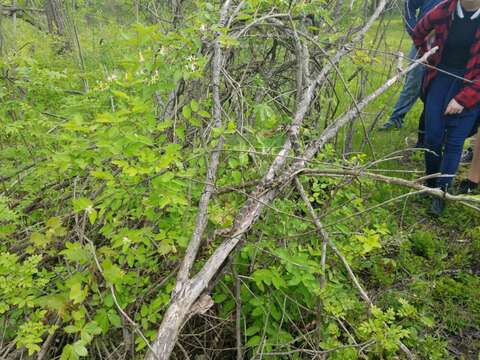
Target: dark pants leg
[421,130]
[458,128]
[445,134]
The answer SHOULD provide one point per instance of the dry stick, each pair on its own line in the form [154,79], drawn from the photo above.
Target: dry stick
[302,78]
[80,55]
[202,217]
[235,13]
[324,236]
[181,303]
[163,345]
[416,184]
[344,82]
[238,313]
[251,211]
[315,146]
[308,95]
[14,32]
[323,352]
[6,350]
[325,239]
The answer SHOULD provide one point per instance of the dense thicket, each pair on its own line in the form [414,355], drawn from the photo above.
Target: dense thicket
[201,180]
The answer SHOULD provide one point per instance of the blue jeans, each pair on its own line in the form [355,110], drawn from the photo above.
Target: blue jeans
[445,134]
[410,92]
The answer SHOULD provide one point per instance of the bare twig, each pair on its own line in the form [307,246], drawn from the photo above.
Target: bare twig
[276,177]
[324,236]
[416,184]
[202,217]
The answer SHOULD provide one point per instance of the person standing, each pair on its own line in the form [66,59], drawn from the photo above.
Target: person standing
[414,11]
[451,86]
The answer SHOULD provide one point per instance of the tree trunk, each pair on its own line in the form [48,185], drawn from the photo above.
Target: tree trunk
[56,17]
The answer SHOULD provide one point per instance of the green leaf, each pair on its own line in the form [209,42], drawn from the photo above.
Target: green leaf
[204,114]
[265,115]
[79,348]
[104,175]
[253,341]
[76,252]
[252,330]
[68,353]
[120,94]
[56,302]
[54,222]
[92,216]
[112,273]
[194,105]
[81,204]
[187,112]
[39,240]
[278,282]
[101,318]
[92,328]
[70,329]
[77,294]
[114,319]
[195,122]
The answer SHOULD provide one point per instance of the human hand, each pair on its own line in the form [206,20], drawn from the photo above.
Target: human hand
[453,108]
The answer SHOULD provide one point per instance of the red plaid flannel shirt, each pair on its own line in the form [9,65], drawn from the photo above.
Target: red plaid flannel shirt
[439,20]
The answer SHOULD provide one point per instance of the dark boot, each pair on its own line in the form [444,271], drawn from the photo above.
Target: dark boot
[466,187]
[431,183]
[467,156]
[438,204]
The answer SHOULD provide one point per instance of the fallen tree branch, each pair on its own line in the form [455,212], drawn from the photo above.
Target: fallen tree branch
[392,180]
[265,192]
[168,333]
[202,216]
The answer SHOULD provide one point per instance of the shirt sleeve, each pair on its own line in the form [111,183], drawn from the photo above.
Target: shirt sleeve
[469,96]
[411,9]
[425,26]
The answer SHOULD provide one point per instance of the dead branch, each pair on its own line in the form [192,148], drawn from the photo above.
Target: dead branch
[202,217]
[416,184]
[168,332]
[275,178]
[191,289]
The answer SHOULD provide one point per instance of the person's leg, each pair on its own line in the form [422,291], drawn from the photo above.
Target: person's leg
[434,139]
[457,130]
[434,129]
[408,96]
[421,130]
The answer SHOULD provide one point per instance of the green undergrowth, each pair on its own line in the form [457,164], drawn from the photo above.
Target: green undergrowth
[98,194]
